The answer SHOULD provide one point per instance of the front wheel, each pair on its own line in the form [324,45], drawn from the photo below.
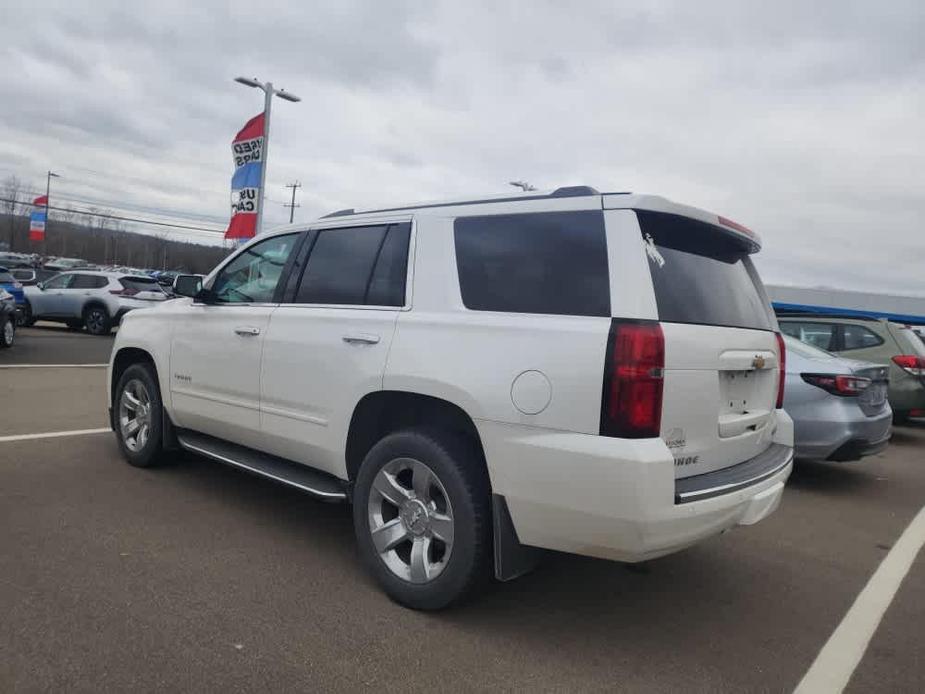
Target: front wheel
[421,514]
[97,320]
[138,415]
[7,331]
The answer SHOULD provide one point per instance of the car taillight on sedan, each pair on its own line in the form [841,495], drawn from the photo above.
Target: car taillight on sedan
[911,364]
[631,406]
[846,386]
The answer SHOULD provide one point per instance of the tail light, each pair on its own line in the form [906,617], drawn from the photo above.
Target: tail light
[911,364]
[631,405]
[781,369]
[125,291]
[845,386]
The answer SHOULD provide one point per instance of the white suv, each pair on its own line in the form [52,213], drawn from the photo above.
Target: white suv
[585,372]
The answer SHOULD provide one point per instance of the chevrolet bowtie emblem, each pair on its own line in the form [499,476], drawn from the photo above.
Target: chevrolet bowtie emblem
[758,362]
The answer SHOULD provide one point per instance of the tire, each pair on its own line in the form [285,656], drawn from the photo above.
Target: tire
[423,570]
[7,331]
[97,320]
[28,320]
[139,383]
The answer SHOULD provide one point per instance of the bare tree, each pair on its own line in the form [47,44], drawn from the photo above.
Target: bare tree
[11,200]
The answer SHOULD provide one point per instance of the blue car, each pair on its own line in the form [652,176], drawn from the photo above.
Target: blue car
[12,285]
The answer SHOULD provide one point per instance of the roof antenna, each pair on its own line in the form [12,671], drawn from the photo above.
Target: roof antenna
[523,185]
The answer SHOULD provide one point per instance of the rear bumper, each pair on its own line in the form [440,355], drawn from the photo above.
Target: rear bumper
[616,498]
[849,439]
[906,393]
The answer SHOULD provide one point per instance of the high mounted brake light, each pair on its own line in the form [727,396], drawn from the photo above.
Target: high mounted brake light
[753,238]
[631,404]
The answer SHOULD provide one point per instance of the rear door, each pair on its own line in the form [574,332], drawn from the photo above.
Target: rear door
[327,342]
[79,292]
[721,350]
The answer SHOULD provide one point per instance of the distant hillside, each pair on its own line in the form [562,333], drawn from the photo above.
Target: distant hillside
[109,244]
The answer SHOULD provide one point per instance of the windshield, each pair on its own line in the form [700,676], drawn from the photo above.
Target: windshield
[6,276]
[701,275]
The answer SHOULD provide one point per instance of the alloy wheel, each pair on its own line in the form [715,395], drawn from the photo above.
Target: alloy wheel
[135,415]
[411,520]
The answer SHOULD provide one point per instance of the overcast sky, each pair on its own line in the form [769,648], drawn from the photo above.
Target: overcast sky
[803,121]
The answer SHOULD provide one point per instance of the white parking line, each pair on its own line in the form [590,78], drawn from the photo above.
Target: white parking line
[53,366]
[843,651]
[52,434]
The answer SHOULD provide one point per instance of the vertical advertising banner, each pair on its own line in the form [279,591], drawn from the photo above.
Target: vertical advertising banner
[247,152]
[38,218]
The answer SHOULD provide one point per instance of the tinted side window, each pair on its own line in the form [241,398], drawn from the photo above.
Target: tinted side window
[387,284]
[339,266]
[88,282]
[550,262]
[5,276]
[821,335]
[859,337]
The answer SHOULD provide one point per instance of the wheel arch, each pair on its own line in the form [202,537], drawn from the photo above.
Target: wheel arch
[381,412]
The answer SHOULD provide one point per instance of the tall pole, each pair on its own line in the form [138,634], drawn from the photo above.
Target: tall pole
[267,103]
[47,204]
[292,204]
[269,92]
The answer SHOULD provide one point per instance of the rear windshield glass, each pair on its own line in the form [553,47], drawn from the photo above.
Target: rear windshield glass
[549,262]
[140,284]
[702,275]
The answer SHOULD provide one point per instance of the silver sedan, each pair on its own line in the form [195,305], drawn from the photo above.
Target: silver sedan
[839,406]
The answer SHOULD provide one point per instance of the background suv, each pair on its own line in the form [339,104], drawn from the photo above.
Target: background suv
[878,341]
[95,300]
[591,373]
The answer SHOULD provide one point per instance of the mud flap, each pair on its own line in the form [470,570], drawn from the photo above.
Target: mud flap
[512,559]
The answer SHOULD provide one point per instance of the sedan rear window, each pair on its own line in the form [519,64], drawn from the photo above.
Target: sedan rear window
[702,275]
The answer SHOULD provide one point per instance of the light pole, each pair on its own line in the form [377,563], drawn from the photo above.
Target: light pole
[268,92]
[48,178]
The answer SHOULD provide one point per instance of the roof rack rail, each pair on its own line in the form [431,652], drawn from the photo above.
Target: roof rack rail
[340,213]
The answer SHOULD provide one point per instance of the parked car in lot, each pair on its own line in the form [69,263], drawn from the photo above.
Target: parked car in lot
[62,264]
[90,299]
[13,287]
[839,406]
[30,276]
[7,319]
[591,373]
[868,339]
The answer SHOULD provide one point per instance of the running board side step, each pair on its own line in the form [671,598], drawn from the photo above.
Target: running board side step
[320,484]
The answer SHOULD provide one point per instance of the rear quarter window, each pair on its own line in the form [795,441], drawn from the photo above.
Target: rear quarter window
[702,275]
[550,262]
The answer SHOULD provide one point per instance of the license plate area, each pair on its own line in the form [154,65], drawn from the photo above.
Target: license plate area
[740,392]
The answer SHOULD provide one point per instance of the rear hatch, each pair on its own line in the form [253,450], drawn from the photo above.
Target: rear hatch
[143,288]
[722,365]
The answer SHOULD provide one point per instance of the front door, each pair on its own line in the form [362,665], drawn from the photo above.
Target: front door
[50,299]
[217,344]
[327,343]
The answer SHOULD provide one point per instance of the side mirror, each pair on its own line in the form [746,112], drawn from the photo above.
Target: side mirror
[187,285]
[40,285]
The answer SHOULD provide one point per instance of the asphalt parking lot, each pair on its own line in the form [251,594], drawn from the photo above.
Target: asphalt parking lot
[199,577]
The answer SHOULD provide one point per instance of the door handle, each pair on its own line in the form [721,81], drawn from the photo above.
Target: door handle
[247,331]
[361,339]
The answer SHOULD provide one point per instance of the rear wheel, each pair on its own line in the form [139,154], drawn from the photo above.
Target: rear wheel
[138,415]
[27,319]
[421,514]
[7,331]
[97,320]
